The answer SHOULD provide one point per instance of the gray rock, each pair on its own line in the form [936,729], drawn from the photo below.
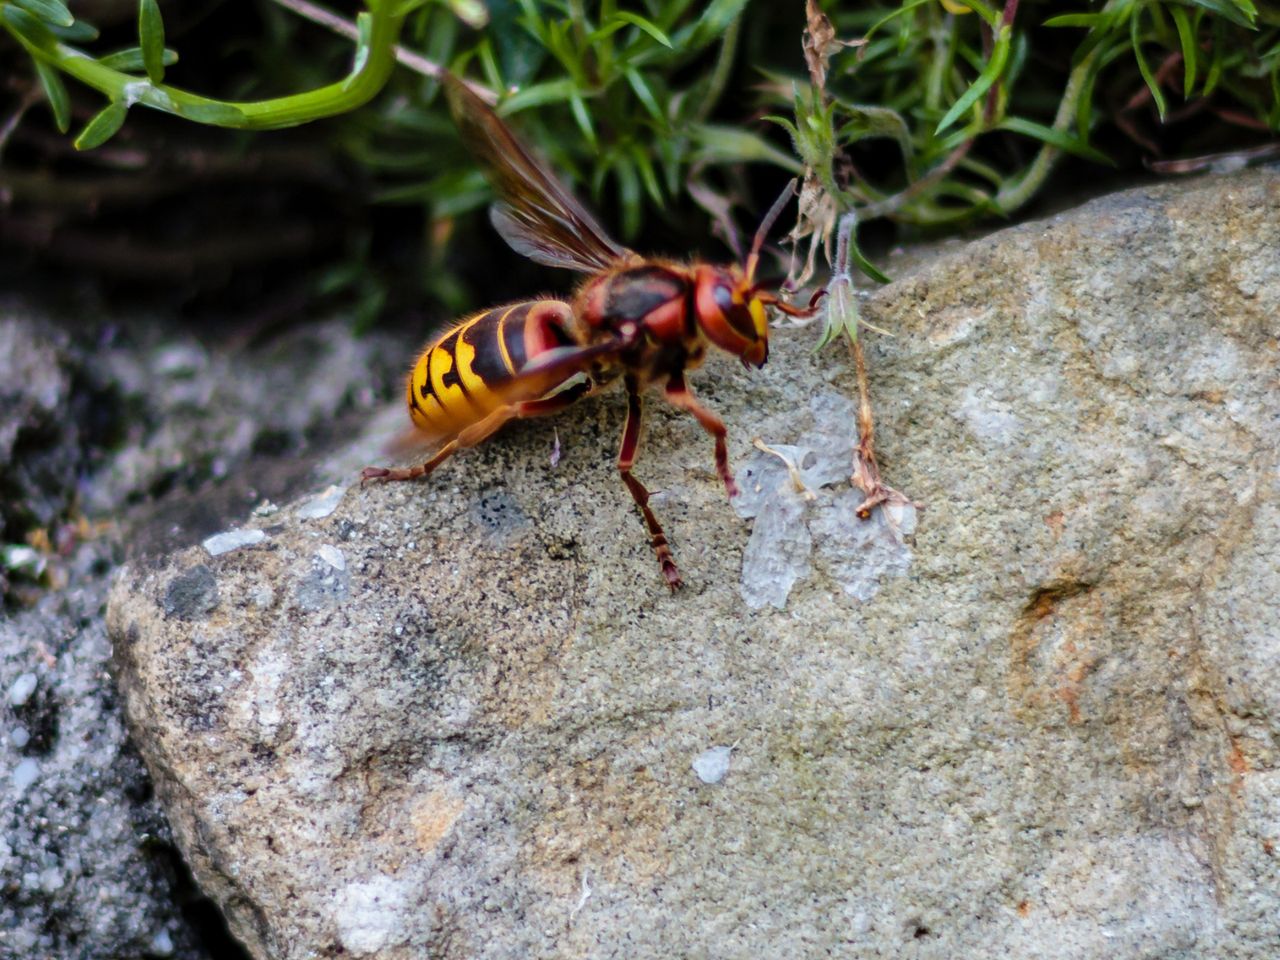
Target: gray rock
[1047,727]
[99,422]
[84,851]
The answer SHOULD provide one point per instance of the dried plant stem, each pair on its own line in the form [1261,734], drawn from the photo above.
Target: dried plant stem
[866,470]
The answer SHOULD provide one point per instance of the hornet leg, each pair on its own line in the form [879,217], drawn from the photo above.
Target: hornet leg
[626,458]
[479,432]
[679,395]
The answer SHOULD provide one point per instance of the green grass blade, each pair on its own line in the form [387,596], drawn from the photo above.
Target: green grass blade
[1089,20]
[583,118]
[645,95]
[1190,51]
[537,95]
[1240,12]
[711,25]
[648,26]
[1055,138]
[995,66]
[1135,41]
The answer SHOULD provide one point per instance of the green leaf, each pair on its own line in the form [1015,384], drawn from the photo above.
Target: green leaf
[537,95]
[52,12]
[645,95]
[786,124]
[1089,20]
[649,176]
[583,119]
[151,39]
[1217,64]
[1055,138]
[55,92]
[719,144]
[82,31]
[1143,67]
[905,8]
[869,122]
[471,12]
[628,196]
[986,12]
[25,25]
[989,75]
[408,6]
[712,24]
[1240,12]
[647,26]
[1190,50]
[865,265]
[102,127]
[130,60]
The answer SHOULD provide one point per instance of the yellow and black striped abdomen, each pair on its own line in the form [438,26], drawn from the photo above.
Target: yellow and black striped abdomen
[477,367]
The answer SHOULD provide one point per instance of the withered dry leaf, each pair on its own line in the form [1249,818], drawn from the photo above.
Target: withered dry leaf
[820,43]
[815,219]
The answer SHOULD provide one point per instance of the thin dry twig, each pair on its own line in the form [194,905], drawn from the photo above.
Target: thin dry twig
[866,470]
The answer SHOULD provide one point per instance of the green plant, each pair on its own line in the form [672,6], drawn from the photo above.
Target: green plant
[982,101]
[47,30]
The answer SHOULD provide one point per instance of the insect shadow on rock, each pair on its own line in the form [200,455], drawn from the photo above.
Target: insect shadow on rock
[644,320]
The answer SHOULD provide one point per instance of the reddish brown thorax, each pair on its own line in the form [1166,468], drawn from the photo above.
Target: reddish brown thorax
[672,305]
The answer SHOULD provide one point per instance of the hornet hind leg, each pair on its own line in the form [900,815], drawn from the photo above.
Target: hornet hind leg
[478,433]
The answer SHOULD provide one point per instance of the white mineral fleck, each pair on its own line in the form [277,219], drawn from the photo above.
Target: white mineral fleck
[332,556]
[23,559]
[51,879]
[712,765]
[25,774]
[22,689]
[323,504]
[19,737]
[161,944]
[371,915]
[221,543]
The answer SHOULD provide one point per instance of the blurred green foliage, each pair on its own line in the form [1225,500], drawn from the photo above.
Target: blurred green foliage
[930,113]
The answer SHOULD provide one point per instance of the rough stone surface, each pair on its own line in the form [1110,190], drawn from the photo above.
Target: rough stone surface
[86,866]
[1050,730]
[98,416]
